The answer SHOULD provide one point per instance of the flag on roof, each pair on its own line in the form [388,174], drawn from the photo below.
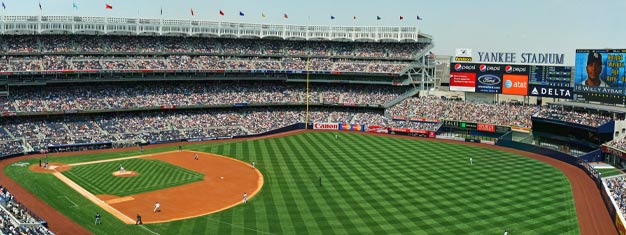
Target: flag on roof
[401,18]
[418,18]
[354,18]
[74,5]
[40,8]
[378,18]
[4,6]
[241,13]
[192,13]
[263,14]
[332,17]
[221,12]
[107,6]
[286,16]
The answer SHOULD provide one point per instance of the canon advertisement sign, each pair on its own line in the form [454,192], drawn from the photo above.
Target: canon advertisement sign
[326,126]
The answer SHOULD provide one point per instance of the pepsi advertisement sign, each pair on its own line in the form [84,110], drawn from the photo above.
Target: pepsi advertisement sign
[460,67]
[551,91]
[516,69]
[489,78]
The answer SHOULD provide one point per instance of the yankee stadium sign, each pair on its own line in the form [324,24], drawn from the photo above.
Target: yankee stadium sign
[520,58]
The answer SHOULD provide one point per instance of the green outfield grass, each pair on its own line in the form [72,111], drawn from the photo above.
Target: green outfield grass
[152,175]
[606,172]
[370,185]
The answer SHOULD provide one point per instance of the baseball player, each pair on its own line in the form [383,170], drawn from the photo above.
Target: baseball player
[138,221]
[122,169]
[245,198]
[98,218]
[253,164]
[336,137]
[157,207]
[195,156]
[506,232]
[471,161]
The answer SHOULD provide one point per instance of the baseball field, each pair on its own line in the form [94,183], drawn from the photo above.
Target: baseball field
[316,184]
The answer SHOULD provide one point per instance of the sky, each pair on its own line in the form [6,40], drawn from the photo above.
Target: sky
[537,26]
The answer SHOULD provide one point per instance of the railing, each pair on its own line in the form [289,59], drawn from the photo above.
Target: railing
[139,26]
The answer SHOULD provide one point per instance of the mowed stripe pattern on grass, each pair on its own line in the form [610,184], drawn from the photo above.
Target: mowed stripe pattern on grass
[371,185]
[152,175]
[381,185]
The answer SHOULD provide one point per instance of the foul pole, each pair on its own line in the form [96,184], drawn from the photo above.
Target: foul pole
[306,120]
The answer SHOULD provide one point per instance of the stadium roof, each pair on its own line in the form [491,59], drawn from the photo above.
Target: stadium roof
[174,27]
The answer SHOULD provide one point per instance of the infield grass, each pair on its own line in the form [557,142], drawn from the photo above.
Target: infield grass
[370,185]
[152,175]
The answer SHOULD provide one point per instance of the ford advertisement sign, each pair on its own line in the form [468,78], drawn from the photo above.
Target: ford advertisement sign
[489,83]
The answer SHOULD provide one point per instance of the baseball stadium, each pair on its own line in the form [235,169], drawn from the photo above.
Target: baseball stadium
[113,125]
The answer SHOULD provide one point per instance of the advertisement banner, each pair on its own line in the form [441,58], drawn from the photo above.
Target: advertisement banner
[463,77]
[463,81]
[413,119]
[551,91]
[486,127]
[325,126]
[489,78]
[515,84]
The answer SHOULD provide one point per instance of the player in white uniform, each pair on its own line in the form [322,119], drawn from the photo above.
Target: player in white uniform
[245,198]
[157,207]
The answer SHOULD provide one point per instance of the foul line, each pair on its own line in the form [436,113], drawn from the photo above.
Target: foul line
[144,227]
[75,205]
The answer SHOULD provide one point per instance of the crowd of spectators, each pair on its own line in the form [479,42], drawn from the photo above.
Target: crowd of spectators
[39,133]
[506,114]
[616,186]
[140,95]
[585,119]
[16,219]
[186,62]
[27,53]
[429,126]
[618,143]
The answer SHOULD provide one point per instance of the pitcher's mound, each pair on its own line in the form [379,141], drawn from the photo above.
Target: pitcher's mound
[125,173]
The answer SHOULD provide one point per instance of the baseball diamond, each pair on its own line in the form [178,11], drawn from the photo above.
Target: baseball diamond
[408,186]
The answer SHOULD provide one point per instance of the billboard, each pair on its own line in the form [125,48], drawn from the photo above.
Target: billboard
[512,79]
[550,91]
[489,78]
[600,72]
[515,84]
[463,77]
[463,54]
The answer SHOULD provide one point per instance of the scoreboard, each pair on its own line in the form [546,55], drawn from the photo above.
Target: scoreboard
[555,76]
[512,79]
